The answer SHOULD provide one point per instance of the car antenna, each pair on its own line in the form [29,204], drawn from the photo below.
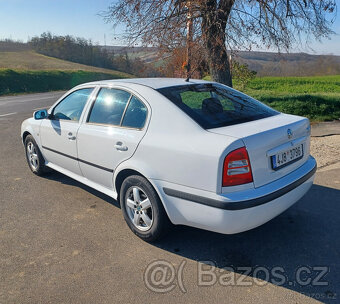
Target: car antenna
[189,72]
[188,77]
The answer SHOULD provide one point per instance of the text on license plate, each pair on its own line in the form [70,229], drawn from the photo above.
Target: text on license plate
[286,157]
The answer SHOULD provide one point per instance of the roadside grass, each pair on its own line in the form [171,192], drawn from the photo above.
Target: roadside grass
[294,85]
[317,107]
[317,98]
[17,81]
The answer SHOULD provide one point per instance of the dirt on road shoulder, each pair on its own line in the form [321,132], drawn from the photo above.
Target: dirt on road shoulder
[326,150]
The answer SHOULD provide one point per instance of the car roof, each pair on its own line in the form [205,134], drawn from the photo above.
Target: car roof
[154,83]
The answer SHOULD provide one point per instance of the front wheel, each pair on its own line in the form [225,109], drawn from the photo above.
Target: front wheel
[34,157]
[142,209]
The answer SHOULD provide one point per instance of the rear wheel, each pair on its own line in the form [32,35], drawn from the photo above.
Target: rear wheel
[34,157]
[142,209]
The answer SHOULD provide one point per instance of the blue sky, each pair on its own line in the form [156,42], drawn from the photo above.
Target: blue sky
[20,19]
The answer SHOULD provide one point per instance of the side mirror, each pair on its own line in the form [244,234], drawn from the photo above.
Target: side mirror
[40,114]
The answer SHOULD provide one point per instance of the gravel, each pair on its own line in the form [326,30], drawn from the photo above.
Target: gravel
[326,150]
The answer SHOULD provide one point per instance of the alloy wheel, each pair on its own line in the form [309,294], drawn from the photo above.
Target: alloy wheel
[32,156]
[139,208]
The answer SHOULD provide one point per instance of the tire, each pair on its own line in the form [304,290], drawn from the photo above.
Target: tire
[142,209]
[35,160]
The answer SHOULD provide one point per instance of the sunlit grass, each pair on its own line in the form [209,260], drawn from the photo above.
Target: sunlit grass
[317,98]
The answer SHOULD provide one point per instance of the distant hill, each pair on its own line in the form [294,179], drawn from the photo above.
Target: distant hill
[30,60]
[264,63]
[293,64]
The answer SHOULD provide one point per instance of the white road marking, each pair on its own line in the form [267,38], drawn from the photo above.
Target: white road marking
[4,101]
[39,95]
[8,114]
[34,99]
[41,108]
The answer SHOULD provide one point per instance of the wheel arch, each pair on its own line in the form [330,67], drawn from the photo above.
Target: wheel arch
[24,135]
[122,175]
[128,170]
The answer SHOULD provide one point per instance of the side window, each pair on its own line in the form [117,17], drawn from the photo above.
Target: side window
[109,106]
[135,114]
[71,107]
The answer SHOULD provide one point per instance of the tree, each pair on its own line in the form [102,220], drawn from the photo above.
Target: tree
[222,24]
[175,64]
[242,73]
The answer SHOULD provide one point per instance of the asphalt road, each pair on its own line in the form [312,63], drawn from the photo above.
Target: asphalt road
[61,241]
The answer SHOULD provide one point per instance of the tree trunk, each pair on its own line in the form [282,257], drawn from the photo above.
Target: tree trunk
[214,23]
[219,65]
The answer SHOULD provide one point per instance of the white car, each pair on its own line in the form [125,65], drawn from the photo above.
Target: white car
[193,153]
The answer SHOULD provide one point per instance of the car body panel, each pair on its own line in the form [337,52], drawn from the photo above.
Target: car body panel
[31,126]
[97,145]
[57,148]
[59,138]
[94,142]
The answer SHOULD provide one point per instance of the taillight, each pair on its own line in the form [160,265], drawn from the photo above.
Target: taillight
[236,168]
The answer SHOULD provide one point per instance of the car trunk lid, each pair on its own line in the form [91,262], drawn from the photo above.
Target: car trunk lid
[267,137]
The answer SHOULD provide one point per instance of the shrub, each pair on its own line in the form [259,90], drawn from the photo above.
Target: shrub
[12,81]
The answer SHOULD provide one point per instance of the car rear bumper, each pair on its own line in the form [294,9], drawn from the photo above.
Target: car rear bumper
[237,211]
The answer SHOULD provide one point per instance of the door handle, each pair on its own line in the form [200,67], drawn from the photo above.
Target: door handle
[70,136]
[120,147]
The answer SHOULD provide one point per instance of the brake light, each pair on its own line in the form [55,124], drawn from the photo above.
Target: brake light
[236,168]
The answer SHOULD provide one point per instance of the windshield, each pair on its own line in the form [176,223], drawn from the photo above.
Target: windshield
[214,106]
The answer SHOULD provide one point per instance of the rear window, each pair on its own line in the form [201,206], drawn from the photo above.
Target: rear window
[214,106]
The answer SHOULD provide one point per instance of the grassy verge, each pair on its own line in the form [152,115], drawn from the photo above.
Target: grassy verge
[317,98]
[16,81]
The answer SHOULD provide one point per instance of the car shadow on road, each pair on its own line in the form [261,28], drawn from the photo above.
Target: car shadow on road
[61,178]
[303,242]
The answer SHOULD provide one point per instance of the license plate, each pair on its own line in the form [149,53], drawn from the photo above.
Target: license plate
[287,157]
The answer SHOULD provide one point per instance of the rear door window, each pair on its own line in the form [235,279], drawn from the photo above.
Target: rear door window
[135,114]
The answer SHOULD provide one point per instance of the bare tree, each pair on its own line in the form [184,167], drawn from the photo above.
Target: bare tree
[222,24]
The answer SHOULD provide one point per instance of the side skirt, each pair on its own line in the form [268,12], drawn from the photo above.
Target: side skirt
[83,180]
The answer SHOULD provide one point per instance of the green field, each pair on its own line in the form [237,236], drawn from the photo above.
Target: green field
[318,98]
